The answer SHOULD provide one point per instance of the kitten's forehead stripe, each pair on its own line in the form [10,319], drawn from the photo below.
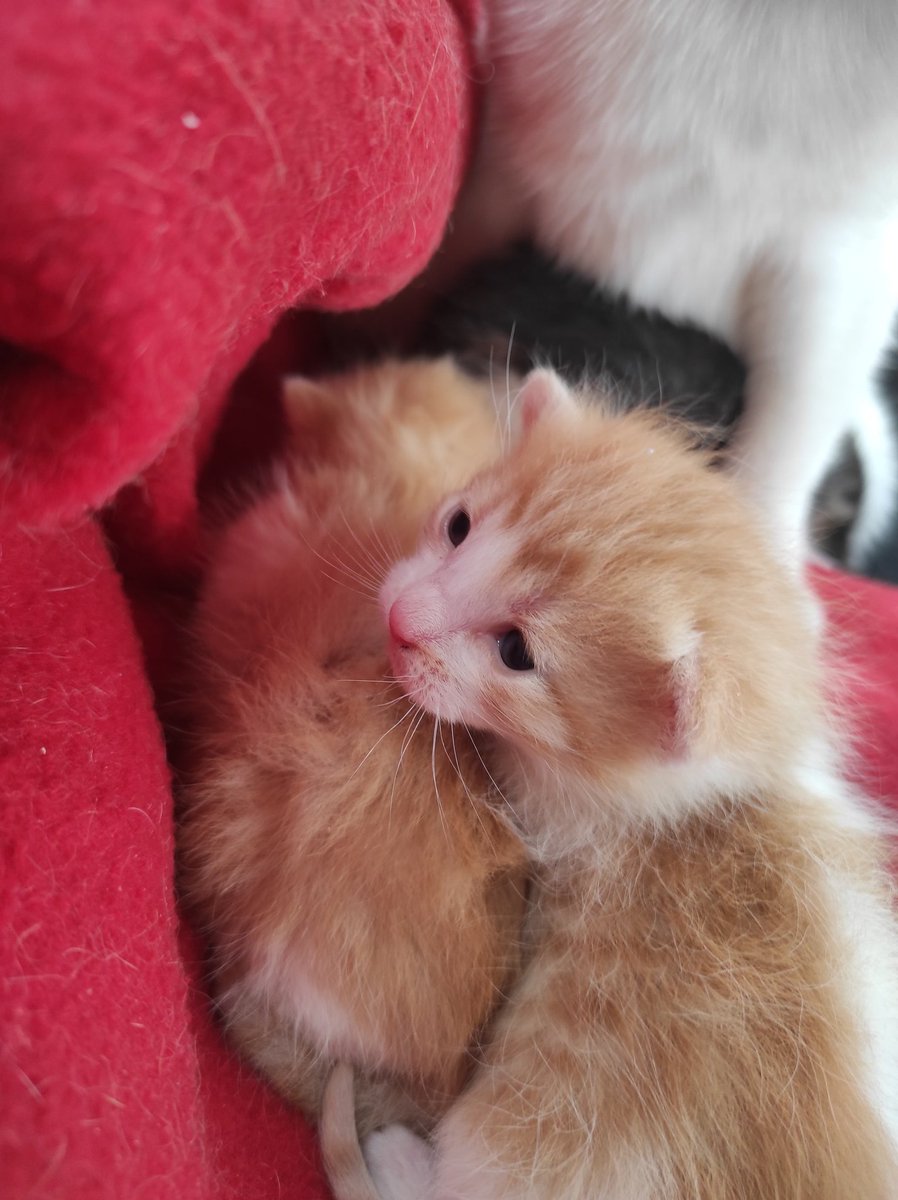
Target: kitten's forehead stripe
[555,534]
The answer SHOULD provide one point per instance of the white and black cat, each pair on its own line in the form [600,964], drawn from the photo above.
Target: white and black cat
[733,163]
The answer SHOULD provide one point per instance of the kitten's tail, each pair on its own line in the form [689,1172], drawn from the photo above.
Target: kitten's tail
[344,1162]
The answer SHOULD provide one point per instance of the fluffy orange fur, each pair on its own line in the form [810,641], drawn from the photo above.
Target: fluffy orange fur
[685,1029]
[705,1013]
[362,899]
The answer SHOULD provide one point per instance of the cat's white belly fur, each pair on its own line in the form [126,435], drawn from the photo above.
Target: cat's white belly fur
[667,145]
[730,164]
[694,251]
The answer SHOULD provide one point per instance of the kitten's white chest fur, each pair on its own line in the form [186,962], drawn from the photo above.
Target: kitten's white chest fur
[732,164]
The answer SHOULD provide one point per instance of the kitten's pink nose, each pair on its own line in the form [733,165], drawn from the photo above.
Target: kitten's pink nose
[417,616]
[400,625]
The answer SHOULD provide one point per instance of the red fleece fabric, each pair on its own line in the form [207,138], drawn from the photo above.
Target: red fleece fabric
[176,175]
[113,1080]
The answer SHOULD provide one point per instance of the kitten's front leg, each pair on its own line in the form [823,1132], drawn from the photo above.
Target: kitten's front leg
[400,1163]
[816,319]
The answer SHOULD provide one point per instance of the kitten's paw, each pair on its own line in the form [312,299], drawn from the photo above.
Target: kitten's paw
[401,1164]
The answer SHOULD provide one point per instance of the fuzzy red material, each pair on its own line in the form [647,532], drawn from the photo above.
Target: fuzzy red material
[175,175]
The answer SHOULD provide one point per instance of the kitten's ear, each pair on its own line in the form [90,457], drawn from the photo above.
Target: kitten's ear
[684,668]
[312,414]
[543,396]
[304,401]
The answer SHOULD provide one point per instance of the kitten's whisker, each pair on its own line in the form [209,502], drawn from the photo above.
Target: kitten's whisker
[390,703]
[501,420]
[489,773]
[387,546]
[504,725]
[433,771]
[351,565]
[365,568]
[390,550]
[378,679]
[406,742]
[375,568]
[348,586]
[395,725]
[455,763]
[509,408]
[334,565]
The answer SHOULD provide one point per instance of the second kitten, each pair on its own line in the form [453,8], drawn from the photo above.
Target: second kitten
[361,898]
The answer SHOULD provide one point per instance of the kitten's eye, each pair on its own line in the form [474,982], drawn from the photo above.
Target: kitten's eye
[458,527]
[513,651]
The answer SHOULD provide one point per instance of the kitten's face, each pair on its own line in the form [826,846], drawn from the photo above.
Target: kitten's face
[601,600]
[527,610]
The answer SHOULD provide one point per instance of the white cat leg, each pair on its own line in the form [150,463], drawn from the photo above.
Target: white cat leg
[814,326]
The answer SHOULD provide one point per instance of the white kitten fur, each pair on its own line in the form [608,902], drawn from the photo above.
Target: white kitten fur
[730,162]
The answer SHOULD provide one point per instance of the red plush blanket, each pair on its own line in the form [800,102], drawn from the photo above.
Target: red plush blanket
[176,175]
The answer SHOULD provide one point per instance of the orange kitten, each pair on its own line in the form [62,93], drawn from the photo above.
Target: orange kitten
[362,899]
[707,1012]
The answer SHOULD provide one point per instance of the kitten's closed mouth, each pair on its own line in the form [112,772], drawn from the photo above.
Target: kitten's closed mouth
[407,669]
[419,678]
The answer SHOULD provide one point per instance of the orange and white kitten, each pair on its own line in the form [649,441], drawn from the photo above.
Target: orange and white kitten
[362,900]
[707,1010]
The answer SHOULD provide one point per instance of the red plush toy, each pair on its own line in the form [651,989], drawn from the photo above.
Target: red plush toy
[174,177]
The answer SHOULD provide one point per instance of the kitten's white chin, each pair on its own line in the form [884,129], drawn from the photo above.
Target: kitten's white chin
[403,674]
[412,677]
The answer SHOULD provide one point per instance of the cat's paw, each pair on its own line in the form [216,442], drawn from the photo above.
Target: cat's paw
[401,1164]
